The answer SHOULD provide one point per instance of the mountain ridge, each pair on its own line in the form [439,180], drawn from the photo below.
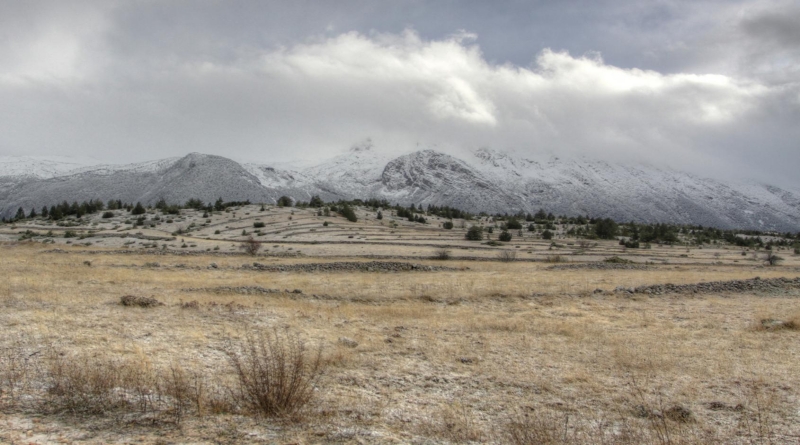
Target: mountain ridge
[486,180]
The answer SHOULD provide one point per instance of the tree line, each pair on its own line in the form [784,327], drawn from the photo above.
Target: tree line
[631,234]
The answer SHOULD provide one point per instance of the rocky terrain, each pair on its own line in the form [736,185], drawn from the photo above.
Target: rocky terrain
[755,285]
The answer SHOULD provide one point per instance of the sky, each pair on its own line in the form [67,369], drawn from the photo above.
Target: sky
[707,86]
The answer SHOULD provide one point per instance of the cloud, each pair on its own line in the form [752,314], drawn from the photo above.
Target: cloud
[97,92]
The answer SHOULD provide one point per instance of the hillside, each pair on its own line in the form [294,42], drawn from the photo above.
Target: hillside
[487,180]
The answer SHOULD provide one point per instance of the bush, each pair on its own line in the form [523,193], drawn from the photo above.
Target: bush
[441,254]
[134,300]
[474,233]
[275,373]
[513,224]
[507,256]
[547,234]
[447,225]
[250,246]
[325,224]
[772,260]
[107,215]
[504,236]
[285,201]
[258,225]
[606,228]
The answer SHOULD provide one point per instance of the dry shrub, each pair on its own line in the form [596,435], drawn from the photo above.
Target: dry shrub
[15,370]
[194,304]
[441,254]
[134,300]
[454,423]
[275,373]
[771,324]
[507,256]
[250,246]
[539,428]
[555,259]
[759,415]
[97,385]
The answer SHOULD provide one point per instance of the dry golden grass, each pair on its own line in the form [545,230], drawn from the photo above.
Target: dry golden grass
[501,352]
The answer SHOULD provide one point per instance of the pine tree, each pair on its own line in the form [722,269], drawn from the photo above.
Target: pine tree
[315,201]
[20,214]
[138,210]
[32,214]
[348,213]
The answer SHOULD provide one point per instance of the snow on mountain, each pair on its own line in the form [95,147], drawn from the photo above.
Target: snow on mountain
[487,180]
[41,167]
[350,174]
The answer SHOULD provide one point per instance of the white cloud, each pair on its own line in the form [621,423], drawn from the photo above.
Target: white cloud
[312,98]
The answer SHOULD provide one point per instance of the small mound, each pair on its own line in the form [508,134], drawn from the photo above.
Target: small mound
[135,300]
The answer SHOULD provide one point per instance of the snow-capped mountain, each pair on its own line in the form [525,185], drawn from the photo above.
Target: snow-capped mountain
[40,167]
[485,180]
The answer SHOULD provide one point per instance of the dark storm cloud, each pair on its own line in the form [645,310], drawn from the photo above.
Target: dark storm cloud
[702,83]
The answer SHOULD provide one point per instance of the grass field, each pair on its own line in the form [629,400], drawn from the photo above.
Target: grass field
[490,351]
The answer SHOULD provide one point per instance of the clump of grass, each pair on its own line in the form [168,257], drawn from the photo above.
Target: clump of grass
[555,259]
[771,324]
[276,373]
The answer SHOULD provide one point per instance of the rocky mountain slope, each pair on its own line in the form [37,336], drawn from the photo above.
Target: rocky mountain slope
[486,180]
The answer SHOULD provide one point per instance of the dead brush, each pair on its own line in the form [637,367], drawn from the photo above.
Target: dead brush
[16,368]
[507,256]
[791,323]
[454,423]
[442,254]
[556,259]
[539,428]
[86,384]
[276,374]
[98,385]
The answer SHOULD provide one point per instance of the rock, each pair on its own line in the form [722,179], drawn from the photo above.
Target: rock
[213,266]
[348,342]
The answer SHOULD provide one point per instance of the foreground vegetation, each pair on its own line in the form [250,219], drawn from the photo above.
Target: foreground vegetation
[486,351]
